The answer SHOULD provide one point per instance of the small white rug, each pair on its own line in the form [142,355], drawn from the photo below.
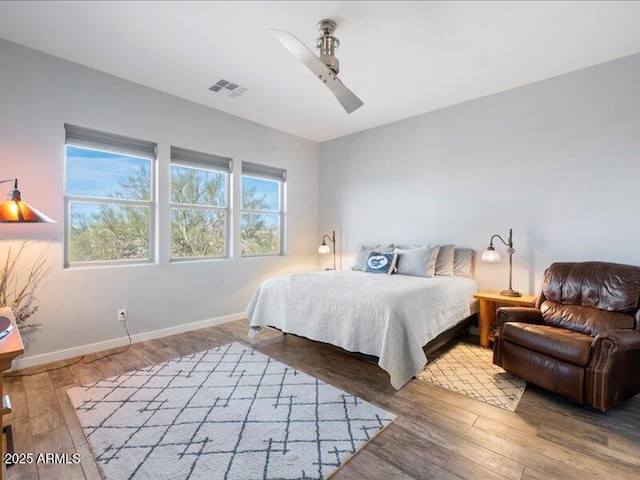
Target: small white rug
[469,370]
[225,413]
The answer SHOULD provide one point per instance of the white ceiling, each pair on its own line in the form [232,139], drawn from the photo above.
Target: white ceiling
[401,58]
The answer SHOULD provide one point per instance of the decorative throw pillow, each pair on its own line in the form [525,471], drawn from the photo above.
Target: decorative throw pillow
[463,262]
[444,264]
[418,262]
[379,262]
[363,252]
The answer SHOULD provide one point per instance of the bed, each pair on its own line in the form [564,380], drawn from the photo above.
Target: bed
[387,316]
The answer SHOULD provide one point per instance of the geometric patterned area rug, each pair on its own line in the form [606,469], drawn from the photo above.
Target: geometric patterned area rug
[468,369]
[225,413]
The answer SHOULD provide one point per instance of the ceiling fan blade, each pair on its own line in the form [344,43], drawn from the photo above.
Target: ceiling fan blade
[349,101]
[301,52]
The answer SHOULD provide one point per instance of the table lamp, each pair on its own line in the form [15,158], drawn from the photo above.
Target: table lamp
[491,255]
[324,248]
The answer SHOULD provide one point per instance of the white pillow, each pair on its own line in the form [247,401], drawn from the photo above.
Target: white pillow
[444,264]
[463,262]
[418,262]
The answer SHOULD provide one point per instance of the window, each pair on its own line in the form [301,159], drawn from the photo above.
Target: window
[199,204]
[108,197]
[262,222]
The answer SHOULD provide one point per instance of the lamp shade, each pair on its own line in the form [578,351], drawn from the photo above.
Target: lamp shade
[490,255]
[15,210]
[324,248]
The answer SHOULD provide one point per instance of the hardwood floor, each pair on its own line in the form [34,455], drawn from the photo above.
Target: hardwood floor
[438,434]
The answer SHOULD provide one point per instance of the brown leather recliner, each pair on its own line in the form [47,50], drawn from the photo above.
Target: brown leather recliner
[582,339]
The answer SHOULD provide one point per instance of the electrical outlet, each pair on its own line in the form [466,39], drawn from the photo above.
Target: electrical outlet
[122,315]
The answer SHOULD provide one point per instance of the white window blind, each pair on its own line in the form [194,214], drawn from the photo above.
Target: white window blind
[204,160]
[109,142]
[258,170]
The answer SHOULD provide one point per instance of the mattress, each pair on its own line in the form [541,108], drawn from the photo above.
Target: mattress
[387,316]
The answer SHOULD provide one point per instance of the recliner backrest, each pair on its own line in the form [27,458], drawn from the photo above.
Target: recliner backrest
[590,297]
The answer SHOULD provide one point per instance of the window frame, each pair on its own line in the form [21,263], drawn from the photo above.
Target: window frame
[201,165]
[278,176]
[110,145]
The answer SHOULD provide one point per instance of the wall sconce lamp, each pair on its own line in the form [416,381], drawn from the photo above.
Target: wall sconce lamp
[493,256]
[15,210]
[324,248]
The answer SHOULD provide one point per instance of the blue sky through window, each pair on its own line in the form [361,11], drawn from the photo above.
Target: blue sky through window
[93,173]
[268,188]
[270,220]
[99,174]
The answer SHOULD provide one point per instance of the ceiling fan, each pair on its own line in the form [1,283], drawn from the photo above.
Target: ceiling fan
[327,66]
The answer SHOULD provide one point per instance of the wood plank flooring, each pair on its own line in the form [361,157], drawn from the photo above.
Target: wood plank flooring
[438,434]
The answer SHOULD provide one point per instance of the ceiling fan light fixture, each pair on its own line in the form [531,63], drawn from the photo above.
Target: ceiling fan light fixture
[326,66]
[327,44]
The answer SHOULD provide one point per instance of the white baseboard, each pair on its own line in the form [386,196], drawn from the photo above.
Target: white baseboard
[26,362]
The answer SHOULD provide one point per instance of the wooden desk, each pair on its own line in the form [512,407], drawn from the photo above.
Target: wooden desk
[10,347]
[489,304]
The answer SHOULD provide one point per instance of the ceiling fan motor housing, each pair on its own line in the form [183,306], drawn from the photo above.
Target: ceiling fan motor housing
[327,44]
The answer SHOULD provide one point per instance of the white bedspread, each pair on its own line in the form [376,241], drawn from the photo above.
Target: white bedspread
[389,316]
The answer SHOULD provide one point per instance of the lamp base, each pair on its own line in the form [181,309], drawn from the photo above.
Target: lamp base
[510,293]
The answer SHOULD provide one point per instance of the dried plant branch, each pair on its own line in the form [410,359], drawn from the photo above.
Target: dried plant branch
[18,290]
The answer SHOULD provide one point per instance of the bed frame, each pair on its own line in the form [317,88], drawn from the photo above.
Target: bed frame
[460,328]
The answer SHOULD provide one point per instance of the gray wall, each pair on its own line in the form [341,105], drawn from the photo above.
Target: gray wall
[558,161]
[38,94]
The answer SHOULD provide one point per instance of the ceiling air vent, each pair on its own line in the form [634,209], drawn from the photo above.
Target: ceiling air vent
[231,89]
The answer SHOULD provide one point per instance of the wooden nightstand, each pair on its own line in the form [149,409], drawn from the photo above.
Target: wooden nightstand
[489,304]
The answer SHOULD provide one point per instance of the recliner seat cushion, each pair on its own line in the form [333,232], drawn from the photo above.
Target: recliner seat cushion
[586,320]
[558,376]
[566,345]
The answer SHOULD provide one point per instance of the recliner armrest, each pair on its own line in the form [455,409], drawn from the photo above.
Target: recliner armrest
[518,314]
[611,375]
[616,341]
